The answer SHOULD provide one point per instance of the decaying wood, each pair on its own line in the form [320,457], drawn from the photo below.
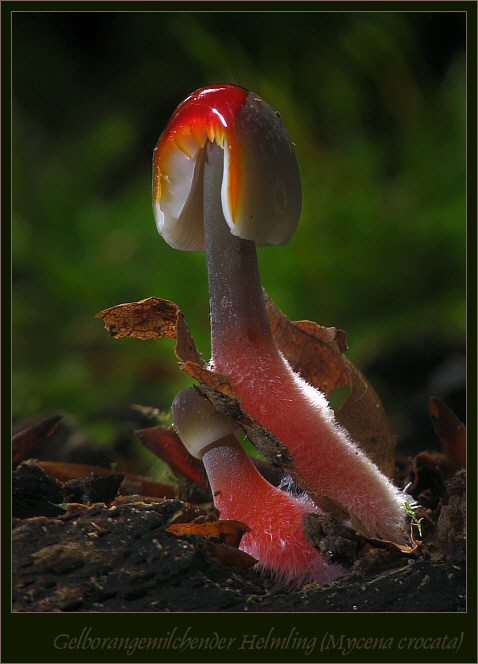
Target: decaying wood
[121,558]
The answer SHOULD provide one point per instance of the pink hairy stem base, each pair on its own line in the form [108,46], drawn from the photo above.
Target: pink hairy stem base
[274,516]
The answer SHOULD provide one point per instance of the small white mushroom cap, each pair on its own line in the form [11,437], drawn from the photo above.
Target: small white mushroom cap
[197,423]
[261,191]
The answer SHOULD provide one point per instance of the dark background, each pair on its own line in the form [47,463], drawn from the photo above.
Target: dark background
[375,103]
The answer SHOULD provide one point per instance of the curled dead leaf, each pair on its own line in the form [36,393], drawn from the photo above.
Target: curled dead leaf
[451,432]
[24,442]
[228,531]
[428,486]
[316,353]
[151,318]
[229,555]
[165,443]
[222,540]
[363,416]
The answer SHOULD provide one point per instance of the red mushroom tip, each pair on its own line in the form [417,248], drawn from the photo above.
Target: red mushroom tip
[260,192]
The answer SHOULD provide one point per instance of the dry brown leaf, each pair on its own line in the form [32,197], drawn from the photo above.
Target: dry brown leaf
[316,353]
[153,318]
[144,486]
[25,441]
[165,443]
[223,539]
[451,432]
[228,531]
[64,471]
[402,549]
[363,416]
[147,319]
[229,555]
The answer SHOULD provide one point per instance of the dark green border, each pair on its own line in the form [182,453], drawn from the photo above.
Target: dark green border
[30,637]
[6,309]
[34,636]
[242,5]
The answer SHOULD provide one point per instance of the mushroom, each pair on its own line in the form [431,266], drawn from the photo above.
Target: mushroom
[225,179]
[241,493]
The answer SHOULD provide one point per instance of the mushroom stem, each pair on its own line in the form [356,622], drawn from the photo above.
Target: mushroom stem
[243,348]
[237,311]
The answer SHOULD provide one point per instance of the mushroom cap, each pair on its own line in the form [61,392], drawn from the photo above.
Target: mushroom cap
[197,423]
[261,192]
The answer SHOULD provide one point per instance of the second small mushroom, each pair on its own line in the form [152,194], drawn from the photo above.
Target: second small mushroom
[225,179]
[241,493]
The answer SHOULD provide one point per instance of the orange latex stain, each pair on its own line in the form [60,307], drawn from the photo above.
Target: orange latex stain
[207,114]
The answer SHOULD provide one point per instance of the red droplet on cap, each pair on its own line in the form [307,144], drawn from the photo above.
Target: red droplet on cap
[211,109]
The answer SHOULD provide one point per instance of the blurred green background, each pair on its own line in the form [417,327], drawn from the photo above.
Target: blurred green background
[375,103]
